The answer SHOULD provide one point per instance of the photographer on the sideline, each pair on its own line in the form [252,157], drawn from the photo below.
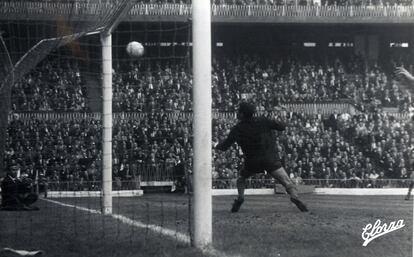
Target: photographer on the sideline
[17,192]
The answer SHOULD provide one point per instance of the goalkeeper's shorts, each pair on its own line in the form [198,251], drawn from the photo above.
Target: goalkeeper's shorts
[252,167]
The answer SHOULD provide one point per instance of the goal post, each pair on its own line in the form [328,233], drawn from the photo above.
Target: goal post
[106,41]
[107,123]
[202,101]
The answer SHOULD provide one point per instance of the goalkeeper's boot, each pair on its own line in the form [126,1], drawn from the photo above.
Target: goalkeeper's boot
[407,197]
[301,206]
[236,205]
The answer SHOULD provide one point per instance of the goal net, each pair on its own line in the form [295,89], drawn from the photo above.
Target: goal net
[52,126]
[28,41]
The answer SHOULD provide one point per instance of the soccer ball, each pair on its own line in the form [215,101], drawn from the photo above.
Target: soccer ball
[135,49]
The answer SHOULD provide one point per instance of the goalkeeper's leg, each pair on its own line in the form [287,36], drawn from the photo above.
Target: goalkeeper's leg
[245,173]
[281,175]
[241,185]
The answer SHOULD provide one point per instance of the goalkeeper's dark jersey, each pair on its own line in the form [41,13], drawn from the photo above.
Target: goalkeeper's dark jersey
[255,137]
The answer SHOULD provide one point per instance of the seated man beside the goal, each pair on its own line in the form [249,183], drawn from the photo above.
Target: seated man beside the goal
[16,193]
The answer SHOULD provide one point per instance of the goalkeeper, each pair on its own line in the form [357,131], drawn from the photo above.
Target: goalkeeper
[256,139]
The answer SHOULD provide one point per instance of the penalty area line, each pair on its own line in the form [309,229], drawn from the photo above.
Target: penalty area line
[155,228]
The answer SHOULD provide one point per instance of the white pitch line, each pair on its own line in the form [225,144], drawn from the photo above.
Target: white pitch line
[74,206]
[164,231]
[155,228]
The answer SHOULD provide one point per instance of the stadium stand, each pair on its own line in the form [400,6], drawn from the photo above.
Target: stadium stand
[153,131]
[232,8]
[267,83]
[53,86]
[313,147]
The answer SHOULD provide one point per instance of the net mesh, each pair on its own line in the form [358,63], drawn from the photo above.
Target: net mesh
[28,47]
[53,134]
[6,67]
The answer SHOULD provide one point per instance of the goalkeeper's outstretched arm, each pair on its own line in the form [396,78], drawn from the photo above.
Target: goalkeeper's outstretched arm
[231,138]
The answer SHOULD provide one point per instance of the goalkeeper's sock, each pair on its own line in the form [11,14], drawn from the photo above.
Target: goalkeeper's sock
[237,204]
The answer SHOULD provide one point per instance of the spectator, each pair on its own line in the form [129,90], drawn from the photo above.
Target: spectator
[16,192]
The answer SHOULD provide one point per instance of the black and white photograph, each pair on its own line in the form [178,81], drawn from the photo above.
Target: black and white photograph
[206,128]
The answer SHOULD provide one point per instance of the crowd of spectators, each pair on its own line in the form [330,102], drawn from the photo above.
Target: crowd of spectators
[71,150]
[267,83]
[342,147]
[152,89]
[56,85]
[60,151]
[360,148]
[166,86]
[387,140]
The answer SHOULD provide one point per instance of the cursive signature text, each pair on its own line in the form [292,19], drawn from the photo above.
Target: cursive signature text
[370,232]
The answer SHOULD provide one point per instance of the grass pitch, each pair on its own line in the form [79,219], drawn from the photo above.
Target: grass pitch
[268,226]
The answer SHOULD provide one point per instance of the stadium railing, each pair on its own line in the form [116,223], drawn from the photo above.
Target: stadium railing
[167,9]
[136,183]
[362,183]
[131,184]
[322,183]
[399,115]
[144,173]
[324,108]
[307,108]
[157,172]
